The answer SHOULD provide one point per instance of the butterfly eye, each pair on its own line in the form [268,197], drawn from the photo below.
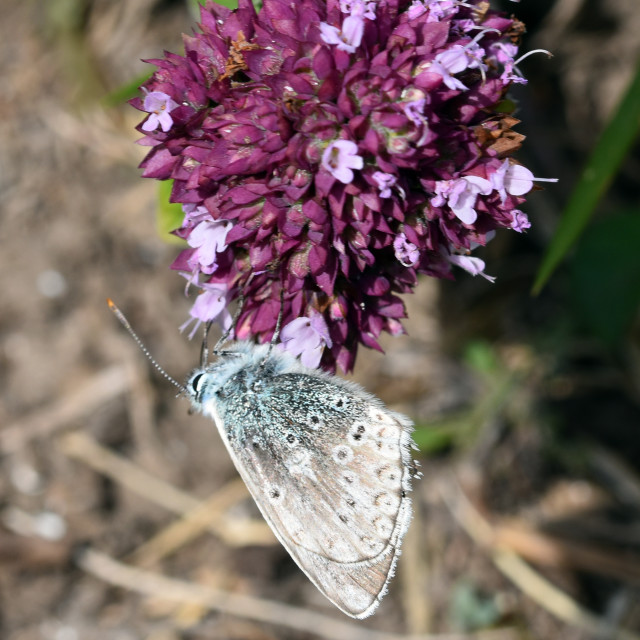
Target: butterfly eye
[195,383]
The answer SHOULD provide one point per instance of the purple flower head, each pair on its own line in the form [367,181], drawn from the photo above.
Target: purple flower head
[324,152]
[210,306]
[159,105]
[307,338]
[340,157]
[406,252]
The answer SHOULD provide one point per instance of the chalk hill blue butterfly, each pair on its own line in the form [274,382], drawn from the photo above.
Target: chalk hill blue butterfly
[328,465]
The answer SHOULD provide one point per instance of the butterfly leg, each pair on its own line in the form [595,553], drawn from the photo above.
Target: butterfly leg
[232,326]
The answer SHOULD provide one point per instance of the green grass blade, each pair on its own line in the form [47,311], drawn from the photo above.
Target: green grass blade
[125,92]
[596,177]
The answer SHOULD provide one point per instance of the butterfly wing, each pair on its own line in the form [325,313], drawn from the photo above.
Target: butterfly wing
[329,467]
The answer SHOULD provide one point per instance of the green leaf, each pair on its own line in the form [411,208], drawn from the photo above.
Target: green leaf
[169,215]
[597,175]
[125,92]
[432,439]
[480,356]
[506,106]
[194,5]
[606,275]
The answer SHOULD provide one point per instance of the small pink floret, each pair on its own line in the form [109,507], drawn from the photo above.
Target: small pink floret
[159,105]
[472,265]
[461,195]
[406,252]
[210,306]
[340,157]
[209,239]
[306,337]
[384,181]
[346,39]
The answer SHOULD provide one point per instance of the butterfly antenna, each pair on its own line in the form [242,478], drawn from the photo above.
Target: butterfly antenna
[125,323]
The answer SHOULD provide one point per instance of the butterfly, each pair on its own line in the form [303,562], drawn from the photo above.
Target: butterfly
[328,465]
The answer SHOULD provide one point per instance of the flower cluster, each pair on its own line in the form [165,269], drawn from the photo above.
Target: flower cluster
[326,152]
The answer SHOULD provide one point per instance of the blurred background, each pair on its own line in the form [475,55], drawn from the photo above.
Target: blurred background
[527,408]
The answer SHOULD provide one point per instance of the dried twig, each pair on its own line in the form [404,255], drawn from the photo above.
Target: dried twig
[106,568]
[553,552]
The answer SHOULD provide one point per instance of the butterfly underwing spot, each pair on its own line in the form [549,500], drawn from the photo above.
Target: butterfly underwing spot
[386,432]
[358,433]
[275,494]
[342,454]
[337,545]
[389,476]
[373,546]
[388,449]
[341,404]
[387,503]
[383,526]
[292,441]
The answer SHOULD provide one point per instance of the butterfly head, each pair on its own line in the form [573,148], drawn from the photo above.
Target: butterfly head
[206,382]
